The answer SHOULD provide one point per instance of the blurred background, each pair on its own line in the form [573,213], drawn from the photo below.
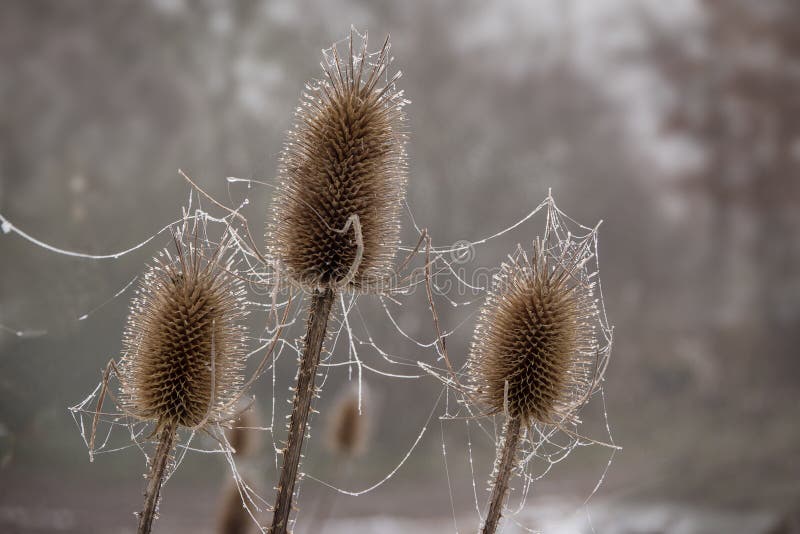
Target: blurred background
[677,123]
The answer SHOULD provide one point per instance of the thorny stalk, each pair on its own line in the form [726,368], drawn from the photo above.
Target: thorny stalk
[505,464]
[319,312]
[158,468]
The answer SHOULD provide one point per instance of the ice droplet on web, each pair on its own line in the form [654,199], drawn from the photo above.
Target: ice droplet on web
[6,226]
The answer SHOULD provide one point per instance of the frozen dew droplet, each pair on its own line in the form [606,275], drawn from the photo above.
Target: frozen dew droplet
[6,226]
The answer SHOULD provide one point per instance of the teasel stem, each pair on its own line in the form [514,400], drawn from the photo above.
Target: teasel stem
[511,436]
[158,468]
[318,314]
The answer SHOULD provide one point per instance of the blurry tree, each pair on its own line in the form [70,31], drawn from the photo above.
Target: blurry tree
[737,97]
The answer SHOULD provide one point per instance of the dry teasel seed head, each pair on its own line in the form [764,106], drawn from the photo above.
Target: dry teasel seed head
[348,431]
[335,218]
[184,341]
[349,422]
[243,435]
[184,349]
[534,352]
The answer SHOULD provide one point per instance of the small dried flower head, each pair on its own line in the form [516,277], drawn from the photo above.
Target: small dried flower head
[184,343]
[344,157]
[535,346]
[348,426]
[233,516]
[243,435]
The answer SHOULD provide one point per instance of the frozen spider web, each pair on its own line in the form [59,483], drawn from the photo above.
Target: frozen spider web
[543,446]
[430,274]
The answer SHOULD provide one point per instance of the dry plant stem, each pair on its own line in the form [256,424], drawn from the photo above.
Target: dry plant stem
[511,438]
[318,314]
[158,468]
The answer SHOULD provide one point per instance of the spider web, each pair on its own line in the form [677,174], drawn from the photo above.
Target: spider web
[353,348]
[435,277]
[542,446]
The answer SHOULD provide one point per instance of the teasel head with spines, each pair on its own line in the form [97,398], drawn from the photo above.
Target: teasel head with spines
[535,348]
[344,158]
[184,343]
[535,351]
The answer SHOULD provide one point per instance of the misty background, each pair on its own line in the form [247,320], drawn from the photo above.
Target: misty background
[677,123]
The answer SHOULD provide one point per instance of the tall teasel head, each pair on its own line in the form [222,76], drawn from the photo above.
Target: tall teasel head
[535,350]
[343,173]
[184,343]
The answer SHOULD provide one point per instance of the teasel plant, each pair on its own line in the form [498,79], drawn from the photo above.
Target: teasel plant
[335,218]
[349,422]
[184,352]
[537,355]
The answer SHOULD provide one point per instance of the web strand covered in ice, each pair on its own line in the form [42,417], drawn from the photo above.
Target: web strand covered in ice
[429,274]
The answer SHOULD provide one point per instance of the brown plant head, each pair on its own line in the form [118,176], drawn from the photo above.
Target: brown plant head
[534,351]
[348,429]
[344,158]
[184,342]
[243,435]
[233,517]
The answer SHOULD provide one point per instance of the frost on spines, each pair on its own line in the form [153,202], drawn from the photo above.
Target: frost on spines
[343,174]
[185,341]
[534,354]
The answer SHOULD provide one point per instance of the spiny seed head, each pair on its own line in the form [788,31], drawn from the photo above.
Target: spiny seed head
[184,343]
[344,157]
[348,428]
[535,346]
